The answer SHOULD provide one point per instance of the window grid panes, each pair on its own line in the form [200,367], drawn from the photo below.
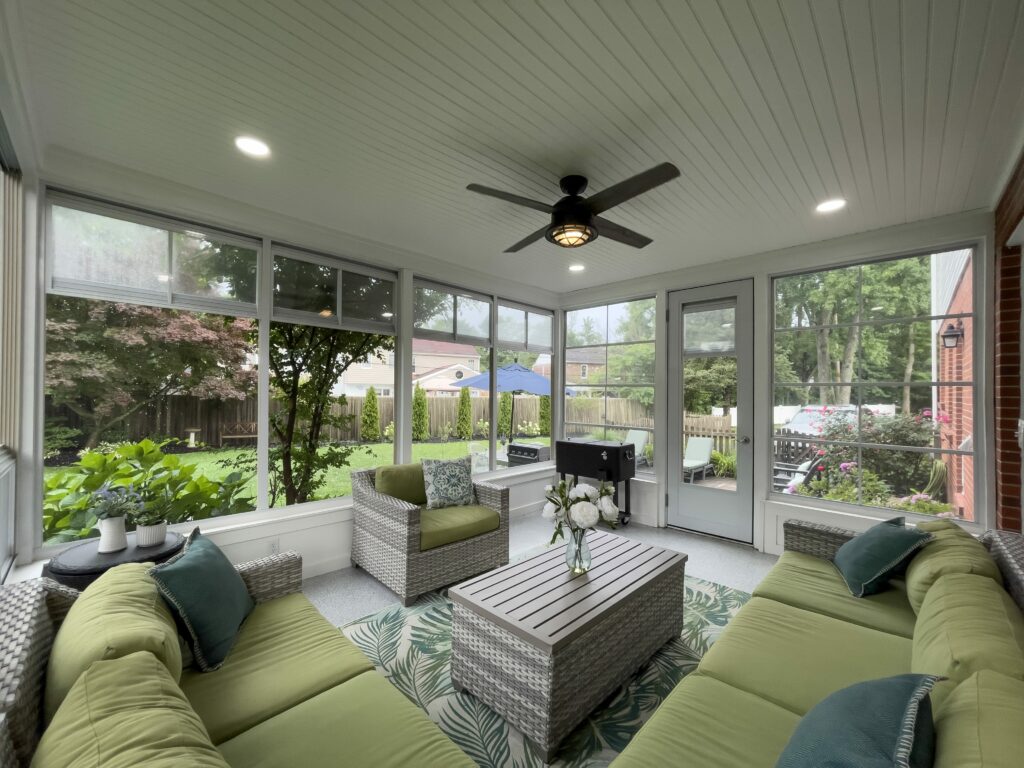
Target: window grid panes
[874,387]
[609,375]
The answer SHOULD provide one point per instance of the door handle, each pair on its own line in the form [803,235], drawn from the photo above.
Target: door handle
[745,440]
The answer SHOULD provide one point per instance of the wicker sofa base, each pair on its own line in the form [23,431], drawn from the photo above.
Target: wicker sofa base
[547,695]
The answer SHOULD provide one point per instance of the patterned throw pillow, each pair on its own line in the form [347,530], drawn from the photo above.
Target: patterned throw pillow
[448,483]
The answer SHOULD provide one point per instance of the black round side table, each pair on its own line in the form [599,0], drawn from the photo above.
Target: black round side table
[80,565]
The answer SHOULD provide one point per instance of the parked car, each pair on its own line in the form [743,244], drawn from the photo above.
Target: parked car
[807,421]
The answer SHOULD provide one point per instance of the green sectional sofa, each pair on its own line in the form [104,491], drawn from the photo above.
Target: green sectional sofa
[294,691]
[802,636]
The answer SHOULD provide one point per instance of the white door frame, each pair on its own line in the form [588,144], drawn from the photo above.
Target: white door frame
[733,511]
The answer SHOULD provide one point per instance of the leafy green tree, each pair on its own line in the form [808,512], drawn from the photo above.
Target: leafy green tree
[420,415]
[369,429]
[106,361]
[544,419]
[505,414]
[464,424]
[709,382]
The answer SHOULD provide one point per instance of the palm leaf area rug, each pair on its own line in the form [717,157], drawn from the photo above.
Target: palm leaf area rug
[412,647]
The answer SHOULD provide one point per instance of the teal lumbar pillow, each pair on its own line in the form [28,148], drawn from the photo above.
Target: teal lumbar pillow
[883,723]
[448,483]
[867,561]
[207,597]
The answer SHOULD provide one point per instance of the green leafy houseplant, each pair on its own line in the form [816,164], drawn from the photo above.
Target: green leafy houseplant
[114,501]
[68,507]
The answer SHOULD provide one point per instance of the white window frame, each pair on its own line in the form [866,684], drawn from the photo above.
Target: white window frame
[526,345]
[979,385]
[454,335]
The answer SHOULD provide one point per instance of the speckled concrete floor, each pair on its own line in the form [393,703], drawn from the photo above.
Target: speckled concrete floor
[351,593]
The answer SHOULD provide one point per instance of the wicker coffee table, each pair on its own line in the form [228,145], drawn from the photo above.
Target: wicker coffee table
[544,647]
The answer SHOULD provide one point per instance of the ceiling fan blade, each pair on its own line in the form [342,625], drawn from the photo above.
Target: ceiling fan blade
[509,197]
[527,240]
[620,234]
[631,187]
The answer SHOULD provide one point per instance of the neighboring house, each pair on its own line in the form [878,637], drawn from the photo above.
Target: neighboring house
[428,358]
[954,406]
[583,365]
[442,381]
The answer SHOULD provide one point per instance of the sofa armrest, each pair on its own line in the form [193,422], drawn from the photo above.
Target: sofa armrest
[271,577]
[365,495]
[814,538]
[493,496]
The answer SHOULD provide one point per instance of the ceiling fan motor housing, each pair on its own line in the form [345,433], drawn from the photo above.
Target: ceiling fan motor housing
[569,211]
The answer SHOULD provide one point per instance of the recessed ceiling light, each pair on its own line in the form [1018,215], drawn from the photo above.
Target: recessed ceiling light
[576,267]
[387,314]
[252,146]
[164,278]
[831,206]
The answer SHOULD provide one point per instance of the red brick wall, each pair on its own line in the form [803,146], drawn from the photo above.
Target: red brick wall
[956,404]
[1009,212]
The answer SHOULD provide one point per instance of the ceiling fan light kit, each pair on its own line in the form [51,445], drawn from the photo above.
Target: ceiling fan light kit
[575,220]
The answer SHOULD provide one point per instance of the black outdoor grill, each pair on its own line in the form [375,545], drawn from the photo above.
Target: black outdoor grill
[524,453]
[606,460]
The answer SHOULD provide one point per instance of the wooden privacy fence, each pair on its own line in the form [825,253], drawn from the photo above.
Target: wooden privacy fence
[214,420]
[718,428]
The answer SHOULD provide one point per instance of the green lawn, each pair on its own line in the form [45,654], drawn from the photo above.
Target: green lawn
[338,481]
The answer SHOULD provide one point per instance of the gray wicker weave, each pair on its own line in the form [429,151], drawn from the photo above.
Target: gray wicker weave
[30,614]
[1007,549]
[386,541]
[544,647]
[814,538]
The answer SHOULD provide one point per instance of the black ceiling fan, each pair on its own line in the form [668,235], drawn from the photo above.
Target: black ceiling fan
[575,220]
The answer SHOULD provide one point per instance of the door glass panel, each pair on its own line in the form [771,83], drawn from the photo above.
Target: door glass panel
[709,377]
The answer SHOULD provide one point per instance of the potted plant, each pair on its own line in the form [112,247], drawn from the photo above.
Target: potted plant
[151,519]
[579,508]
[110,504]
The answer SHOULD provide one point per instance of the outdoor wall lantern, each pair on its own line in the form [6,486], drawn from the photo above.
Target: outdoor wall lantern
[952,335]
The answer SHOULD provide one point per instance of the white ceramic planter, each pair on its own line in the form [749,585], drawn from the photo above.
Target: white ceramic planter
[150,535]
[112,536]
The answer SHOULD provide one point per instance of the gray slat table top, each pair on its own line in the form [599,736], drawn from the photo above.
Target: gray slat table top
[543,603]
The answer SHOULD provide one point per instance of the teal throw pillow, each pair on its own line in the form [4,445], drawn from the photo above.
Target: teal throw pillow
[207,597]
[448,483]
[868,560]
[883,723]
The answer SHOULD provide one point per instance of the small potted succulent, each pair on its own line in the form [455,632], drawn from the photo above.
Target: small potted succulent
[151,519]
[111,504]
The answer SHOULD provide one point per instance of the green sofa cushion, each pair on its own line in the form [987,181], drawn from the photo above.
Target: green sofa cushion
[814,584]
[704,722]
[981,723]
[883,723]
[795,658]
[951,550]
[286,652]
[207,596]
[967,623]
[364,722]
[125,713]
[402,481]
[450,524]
[118,614]
[868,560]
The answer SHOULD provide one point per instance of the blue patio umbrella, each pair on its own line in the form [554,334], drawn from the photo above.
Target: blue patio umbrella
[511,378]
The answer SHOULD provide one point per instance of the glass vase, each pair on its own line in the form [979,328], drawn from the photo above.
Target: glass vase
[577,552]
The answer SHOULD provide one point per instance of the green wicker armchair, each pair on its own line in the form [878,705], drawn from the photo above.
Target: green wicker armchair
[386,541]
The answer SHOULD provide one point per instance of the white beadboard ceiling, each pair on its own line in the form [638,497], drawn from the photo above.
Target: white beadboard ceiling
[379,113]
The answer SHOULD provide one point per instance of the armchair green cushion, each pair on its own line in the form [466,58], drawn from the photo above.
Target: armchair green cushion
[119,614]
[951,550]
[981,723]
[402,481]
[450,524]
[967,623]
[124,713]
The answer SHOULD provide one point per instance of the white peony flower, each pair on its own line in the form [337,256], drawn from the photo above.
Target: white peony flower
[584,491]
[584,514]
[608,509]
[549,511]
